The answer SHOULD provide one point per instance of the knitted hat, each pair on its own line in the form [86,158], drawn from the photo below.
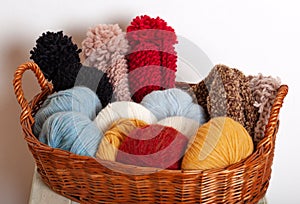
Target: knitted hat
[264,90]
[58,58]
[226,92]
[152,58]
[105,47]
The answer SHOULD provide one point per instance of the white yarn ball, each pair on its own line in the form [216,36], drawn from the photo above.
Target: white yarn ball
[123,109]
[186,126]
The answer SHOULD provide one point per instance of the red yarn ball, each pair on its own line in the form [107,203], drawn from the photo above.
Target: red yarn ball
[153,146]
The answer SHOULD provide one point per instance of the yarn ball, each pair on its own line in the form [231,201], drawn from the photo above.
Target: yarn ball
[153,146]
[122,109]
[173,102]
[152,59]
[105,47]
[77,99]
[218,143]
[186,126]
[71,131]
[115,135]
[264,90]
[118,131]
[55,51]
[58,58]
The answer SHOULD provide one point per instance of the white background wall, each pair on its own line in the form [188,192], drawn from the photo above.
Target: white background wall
[254,36]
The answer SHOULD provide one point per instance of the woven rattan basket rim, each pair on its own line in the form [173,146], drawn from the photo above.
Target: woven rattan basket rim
[26,118]
[261,159]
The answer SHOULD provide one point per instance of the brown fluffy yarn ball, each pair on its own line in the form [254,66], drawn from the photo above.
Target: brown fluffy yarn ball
[217,144]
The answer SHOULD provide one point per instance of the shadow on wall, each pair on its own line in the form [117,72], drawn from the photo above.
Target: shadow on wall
[16,161]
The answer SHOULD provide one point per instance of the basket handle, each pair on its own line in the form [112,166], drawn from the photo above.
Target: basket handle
[17,83]
[274,115]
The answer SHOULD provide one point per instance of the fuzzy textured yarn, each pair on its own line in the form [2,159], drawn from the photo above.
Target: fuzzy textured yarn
[218,143]
[71,131]
[264,90]
[122,109]
[153,146]
[173,102]
[58,58]
[77,99]
[115,135]
[105,47]
[226,92]
[54,51]
[152,59]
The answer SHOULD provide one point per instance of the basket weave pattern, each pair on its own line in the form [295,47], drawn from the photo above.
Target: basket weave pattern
[84,179]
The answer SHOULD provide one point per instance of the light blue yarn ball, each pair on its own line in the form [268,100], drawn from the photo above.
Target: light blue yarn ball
[173,102]
[78,99]
[71,131]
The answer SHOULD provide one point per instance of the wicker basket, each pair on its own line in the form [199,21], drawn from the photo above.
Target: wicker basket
[86,180]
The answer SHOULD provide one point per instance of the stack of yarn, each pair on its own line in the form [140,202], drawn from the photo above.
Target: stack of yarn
[121,104]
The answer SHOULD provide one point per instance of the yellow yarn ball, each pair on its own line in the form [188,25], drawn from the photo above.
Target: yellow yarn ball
[115,135]
[217,144]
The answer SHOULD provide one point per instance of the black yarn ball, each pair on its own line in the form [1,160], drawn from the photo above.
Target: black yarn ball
[55,52]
